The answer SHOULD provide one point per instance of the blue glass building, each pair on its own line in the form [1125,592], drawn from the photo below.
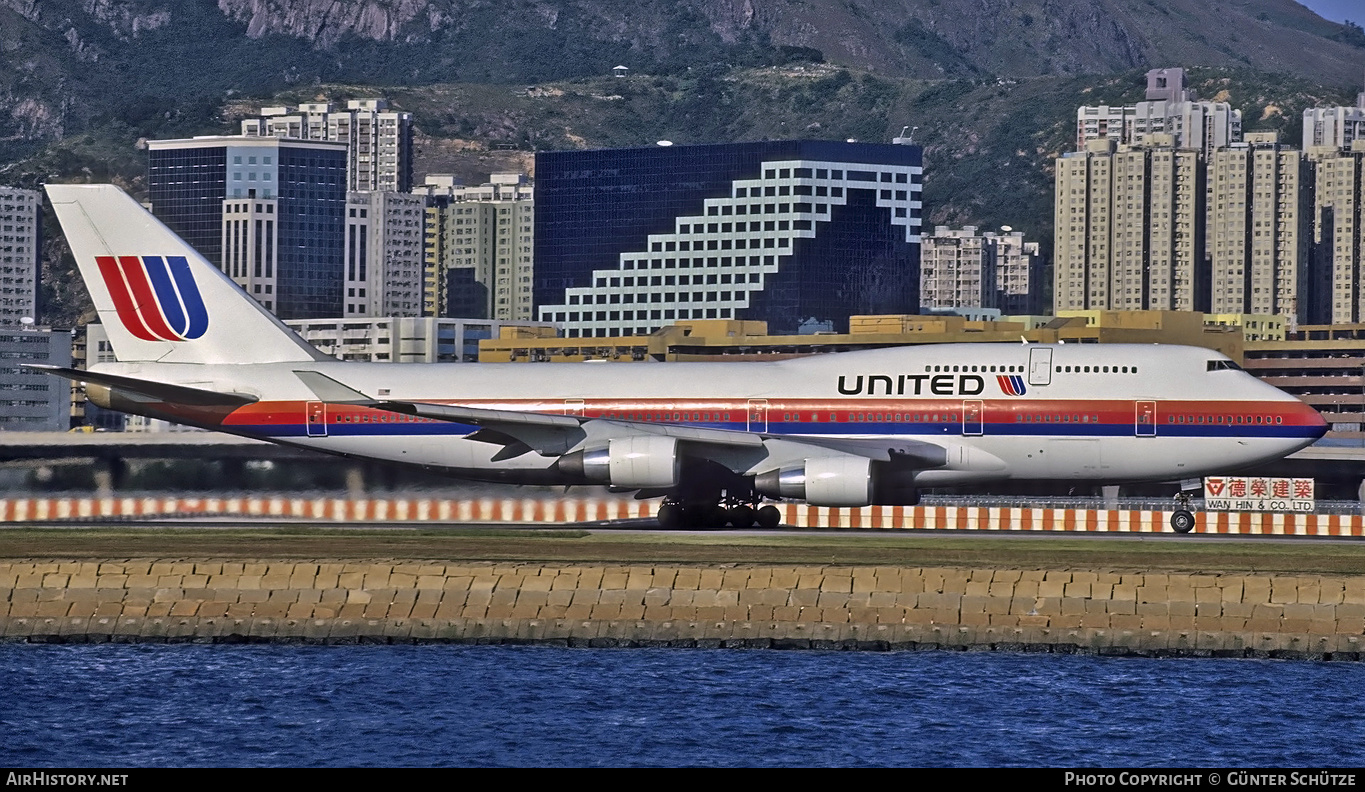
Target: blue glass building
[628,240]
[301,183]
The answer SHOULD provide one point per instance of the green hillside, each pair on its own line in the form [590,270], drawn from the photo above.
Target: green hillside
[993,95]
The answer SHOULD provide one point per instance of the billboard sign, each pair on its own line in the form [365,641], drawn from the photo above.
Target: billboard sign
[1258,494]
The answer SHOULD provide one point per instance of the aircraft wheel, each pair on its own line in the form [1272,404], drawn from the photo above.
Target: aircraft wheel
[742,517]
[670,516]
[703,516]
[1182,521]
[768,517]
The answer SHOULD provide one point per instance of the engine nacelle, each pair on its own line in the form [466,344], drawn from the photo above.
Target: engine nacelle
[821,481]
[636,462]
[840,481]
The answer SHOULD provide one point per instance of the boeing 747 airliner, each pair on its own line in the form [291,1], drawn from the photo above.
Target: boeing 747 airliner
[712,439]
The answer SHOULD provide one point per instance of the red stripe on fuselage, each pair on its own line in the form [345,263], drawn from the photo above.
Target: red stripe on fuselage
[795,411]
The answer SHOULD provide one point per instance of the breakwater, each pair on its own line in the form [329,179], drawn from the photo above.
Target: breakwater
[750,605]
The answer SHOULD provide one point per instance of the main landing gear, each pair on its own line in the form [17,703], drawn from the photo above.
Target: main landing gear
[674,515]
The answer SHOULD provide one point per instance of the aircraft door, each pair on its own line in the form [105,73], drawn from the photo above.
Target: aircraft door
[573,407]
[315,417]
[1040,365]
[971,418]
[758,415]
[1144,419]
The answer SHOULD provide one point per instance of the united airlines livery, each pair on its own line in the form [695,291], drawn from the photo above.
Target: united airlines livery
[712,439]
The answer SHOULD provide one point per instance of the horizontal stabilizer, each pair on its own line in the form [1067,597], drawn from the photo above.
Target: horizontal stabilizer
[171,394]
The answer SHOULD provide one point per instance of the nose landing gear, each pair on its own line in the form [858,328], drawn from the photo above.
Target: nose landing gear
[1182,519]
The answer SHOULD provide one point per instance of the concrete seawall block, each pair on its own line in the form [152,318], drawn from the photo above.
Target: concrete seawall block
[829,607]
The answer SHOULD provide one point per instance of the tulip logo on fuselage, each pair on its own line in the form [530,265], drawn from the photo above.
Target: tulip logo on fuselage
[911,385]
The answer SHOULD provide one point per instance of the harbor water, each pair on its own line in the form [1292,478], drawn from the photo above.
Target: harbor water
[121,705]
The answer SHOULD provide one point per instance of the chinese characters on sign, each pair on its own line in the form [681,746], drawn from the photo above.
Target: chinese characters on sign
[1247,493]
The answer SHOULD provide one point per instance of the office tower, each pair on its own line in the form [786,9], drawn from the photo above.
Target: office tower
[20,248]
[1338,230]
[1129,228]
[1257,235]
[384,257]
[481,246]
[33,401]
[630,240]
[268,211]
[378,140]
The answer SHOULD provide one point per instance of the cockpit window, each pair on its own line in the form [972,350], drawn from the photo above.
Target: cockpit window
[1220,365]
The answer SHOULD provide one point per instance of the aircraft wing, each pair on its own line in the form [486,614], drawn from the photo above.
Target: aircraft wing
[551,434]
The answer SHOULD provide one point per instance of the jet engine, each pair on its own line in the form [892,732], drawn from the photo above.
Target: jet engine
[840,481]
[635,462]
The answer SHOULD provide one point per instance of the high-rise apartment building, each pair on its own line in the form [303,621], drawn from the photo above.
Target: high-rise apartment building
[630,240]
[1337,127]
[20,248]
[480,247]
[1339,229]
[384,254]
[965,268]
[956,269]
[378,140]
[1257,235]
[1018,273]
[268,211]
[1129,228]
[1169,109]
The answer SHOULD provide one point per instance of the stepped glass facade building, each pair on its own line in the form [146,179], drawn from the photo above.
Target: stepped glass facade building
[630,240]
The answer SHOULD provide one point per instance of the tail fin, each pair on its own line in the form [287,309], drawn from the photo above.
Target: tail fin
[158,299]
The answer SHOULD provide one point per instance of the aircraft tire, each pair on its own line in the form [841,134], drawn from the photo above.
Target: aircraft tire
[742,517]
[768,517]
[1182,521]
[670,516]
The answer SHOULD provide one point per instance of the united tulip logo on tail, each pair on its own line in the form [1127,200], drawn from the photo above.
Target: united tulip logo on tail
[1011,384]
[155,296]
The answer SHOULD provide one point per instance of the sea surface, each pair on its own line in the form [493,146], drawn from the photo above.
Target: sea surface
[121,705]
